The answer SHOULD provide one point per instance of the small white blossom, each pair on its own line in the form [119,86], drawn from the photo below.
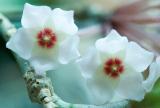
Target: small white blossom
[113,69]
[47,37]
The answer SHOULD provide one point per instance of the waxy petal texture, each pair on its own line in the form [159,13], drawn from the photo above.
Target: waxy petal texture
[47,38]
[113,69]
[154,74]
[35,16]
[21,43]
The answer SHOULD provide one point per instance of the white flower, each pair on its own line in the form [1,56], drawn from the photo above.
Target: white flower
[113,68]
[154,74]
[47,37]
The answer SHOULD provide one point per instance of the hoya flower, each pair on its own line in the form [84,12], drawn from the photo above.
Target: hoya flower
[113,68]
[47,37]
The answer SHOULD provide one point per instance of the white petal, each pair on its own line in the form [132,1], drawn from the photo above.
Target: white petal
[64,22]
[42,65]
[40,52]
[158,62]
[102,88]
[112,43]
[137,57]
[117,97]
[154,74]
[89,63]
[35,16]
[44,59]
[69,49]
[130,86]
[21,43]
[114,35]
[67,80]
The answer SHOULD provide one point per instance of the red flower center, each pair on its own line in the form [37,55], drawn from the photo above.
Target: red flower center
[113,67]
[46,38]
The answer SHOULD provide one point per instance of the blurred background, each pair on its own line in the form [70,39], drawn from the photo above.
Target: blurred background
[137,19]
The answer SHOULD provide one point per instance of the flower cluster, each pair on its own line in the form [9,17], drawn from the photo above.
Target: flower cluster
[112,68]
